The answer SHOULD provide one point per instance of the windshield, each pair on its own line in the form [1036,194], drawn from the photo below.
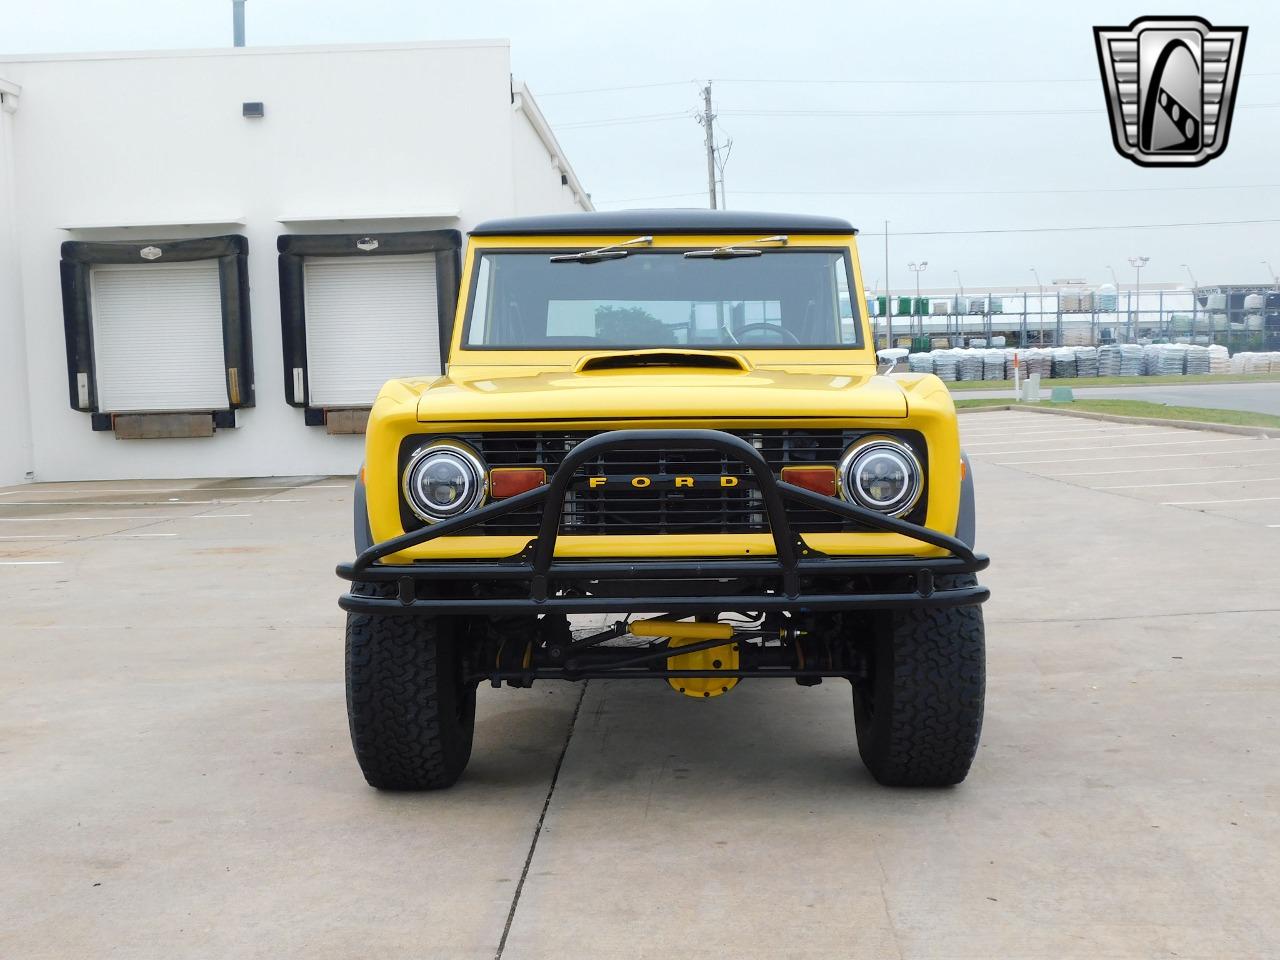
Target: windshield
[781,299]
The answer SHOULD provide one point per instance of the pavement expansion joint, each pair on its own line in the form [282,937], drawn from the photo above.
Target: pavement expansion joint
[537,830]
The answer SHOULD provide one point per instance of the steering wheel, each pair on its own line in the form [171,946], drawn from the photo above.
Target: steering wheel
[783,332]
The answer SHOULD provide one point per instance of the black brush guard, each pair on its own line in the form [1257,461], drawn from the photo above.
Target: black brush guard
[530,582]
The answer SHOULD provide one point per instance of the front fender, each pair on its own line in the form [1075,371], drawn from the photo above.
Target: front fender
[363,535]
[967,521]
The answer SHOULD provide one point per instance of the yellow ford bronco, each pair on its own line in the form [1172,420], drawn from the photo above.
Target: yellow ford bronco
[672,419]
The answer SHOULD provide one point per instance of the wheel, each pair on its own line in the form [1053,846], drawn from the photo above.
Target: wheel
[412,716]
[918,712]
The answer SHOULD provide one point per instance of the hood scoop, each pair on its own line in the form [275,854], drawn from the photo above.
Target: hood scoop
[682,359]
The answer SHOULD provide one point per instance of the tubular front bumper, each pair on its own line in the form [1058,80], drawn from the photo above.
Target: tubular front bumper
[796,578]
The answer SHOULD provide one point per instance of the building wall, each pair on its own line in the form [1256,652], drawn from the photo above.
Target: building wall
[354,139]
[15,424]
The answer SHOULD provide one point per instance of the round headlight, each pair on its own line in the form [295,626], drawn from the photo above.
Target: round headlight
[444,480]
[882,474]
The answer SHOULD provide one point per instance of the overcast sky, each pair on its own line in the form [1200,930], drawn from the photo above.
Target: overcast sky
[1051,165]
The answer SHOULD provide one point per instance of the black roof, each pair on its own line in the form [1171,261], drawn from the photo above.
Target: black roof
[662,221]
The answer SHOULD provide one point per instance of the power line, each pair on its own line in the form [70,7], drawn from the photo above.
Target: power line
[923,114]
[618,121]
[955,193]
[907,81]
[631,86]
[858,114]
[1090,227]
[1021,81]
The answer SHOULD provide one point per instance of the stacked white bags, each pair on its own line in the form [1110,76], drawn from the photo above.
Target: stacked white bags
[1249,362]
[1038,361]
[944,364]
[920,363]
[1172,360]
[1219,359]
[970,364]
[1197,360]
[1131,357]
[1064,362]
[1086,361]
[1109,360]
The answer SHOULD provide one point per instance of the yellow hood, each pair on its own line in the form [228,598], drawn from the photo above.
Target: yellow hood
[474,394]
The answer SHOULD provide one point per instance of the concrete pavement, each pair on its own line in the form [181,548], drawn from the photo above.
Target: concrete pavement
[177,778]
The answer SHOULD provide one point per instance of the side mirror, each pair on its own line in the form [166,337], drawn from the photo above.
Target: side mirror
[889,359]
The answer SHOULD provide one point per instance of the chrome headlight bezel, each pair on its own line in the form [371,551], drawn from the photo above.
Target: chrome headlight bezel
[476,491]
[856,457]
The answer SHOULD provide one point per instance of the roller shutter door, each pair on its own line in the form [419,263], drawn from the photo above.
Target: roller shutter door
[368,320]
[157,337]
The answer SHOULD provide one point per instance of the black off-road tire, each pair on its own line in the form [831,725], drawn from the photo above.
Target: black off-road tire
[918,713]
[412,717]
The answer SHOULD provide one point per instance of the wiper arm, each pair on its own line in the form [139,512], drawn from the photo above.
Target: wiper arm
[612,251]
[729,252]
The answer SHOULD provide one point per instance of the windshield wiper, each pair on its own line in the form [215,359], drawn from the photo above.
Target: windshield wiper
[613,251]
[729,252]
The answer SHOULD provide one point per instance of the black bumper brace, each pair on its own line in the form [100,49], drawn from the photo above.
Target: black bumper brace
[535,575]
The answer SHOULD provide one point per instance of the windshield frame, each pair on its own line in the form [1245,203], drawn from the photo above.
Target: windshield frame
[462,350]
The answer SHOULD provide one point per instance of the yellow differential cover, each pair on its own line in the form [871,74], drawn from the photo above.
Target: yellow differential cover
[717,658]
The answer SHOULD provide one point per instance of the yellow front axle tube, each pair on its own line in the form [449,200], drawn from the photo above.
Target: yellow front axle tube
[678,630]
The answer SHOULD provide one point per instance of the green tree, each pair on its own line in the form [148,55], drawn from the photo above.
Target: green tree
[631,325]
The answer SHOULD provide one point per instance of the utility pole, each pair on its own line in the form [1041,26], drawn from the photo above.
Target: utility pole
[917,269]
[708,123]
[1040,304]
[1275,281]
[1137,263]
[1195,300]
[888,294]
[237,22]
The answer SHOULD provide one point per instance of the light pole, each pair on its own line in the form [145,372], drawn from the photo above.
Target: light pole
[1275,282]
[1039,304]
[1195,300]
[1137,263]
[917,269]
[888,292]
[962,309]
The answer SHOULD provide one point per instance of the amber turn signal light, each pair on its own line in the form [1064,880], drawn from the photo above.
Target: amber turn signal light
[818,479]
[508,481]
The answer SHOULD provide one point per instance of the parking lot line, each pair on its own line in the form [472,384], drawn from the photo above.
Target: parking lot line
[29,563]
[1192,503]
[1007,441]
[1140,456]
[1062,431]
[1189,483]
[206,516]
[133,503]
[283,488]
[1128,446]
[1106,473]
[98,536]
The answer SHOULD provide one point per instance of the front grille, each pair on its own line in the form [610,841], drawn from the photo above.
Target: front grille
[704,510]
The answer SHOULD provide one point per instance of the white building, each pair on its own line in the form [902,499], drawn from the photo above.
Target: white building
[231,248]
